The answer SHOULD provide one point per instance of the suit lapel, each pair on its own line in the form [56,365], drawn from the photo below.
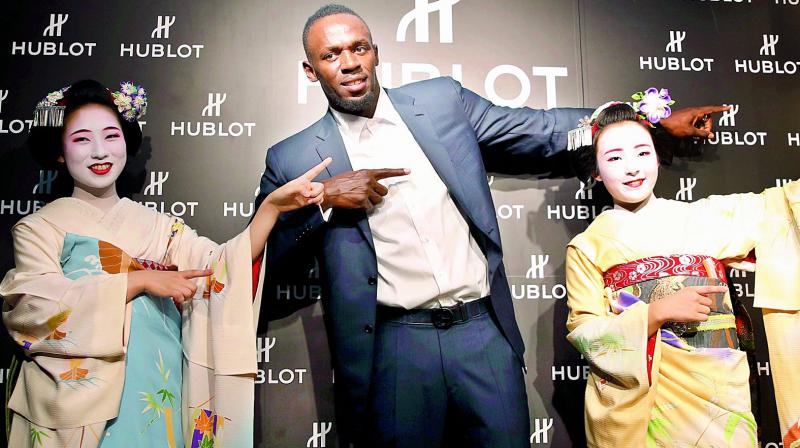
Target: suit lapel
[330,144]
[418,121]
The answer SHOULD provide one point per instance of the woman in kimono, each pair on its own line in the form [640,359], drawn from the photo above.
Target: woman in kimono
[649,306]
[110,360]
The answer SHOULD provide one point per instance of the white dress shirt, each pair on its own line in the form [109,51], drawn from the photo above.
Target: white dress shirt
[426,255]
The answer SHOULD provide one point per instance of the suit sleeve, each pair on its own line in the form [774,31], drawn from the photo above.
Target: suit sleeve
[520,140]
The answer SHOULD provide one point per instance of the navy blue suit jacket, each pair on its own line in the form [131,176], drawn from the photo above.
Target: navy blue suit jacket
[463,135]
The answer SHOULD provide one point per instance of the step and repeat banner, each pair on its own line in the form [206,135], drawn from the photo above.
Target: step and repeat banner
[225,82]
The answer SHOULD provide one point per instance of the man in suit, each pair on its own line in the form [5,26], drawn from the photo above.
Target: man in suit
[424,342]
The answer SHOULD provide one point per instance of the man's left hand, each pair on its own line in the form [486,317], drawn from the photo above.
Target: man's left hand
[692,121]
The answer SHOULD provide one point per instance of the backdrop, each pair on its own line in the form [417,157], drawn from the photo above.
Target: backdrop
[225,83]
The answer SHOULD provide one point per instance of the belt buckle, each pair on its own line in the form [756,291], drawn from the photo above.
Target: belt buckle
[442,318]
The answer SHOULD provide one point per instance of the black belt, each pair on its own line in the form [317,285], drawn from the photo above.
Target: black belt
[441,318]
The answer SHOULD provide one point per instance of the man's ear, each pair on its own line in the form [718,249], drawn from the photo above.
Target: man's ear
[60,159]
[377,59]
[596,177]
[310,73]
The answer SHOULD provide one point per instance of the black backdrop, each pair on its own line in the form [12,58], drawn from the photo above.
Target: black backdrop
[225,83]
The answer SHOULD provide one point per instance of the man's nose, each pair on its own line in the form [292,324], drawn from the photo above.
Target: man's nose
[349,61]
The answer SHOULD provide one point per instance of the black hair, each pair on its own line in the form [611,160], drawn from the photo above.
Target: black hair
[325,11]
[45,142]
[584,159]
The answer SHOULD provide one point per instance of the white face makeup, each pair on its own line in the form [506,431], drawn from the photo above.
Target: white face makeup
[94,149]
[627,164]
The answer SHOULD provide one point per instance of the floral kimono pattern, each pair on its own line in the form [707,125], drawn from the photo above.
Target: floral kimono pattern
[103,372]
[687,385]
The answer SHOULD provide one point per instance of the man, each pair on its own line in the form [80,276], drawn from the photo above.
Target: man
[421,325]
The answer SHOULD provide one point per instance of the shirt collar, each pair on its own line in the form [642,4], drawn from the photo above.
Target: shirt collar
[352,125]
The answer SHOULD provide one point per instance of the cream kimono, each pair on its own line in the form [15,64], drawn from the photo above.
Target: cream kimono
[100,371]
[691,387]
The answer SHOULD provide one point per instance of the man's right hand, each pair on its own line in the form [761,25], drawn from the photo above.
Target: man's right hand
[358,189]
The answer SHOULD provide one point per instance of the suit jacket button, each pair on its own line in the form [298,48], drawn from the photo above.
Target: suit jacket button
[372,280]
[368,329]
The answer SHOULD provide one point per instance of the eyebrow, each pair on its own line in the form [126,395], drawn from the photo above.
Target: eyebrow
[114,128]
[336,47]
[640,145]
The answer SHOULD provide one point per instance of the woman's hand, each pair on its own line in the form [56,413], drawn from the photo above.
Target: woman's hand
[690,304]
[179,285]
[291,196]
[299,192]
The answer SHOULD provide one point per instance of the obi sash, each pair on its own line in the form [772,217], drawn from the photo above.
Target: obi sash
[654,278]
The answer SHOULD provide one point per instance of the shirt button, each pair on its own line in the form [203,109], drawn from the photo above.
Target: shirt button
[425,239]
[368,329]
[372,280]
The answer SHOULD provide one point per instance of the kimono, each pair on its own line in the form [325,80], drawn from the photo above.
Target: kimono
[687,385]
[103,372]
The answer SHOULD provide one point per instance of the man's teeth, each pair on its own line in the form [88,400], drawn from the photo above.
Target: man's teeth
[101,166]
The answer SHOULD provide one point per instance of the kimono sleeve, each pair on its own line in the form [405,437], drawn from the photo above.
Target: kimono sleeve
[766,222]
[614,345]
[219,330]
[47,312]
[219,337]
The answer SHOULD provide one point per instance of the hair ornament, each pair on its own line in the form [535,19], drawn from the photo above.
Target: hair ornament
[130,99]
[652,106]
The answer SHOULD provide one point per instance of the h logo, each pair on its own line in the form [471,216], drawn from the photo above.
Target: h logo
[313,273]
[541,428]
[419,15]
[161,31]
[45,184]
[56,22]
[675,41]
[687,185]
[583,193]
[728,117]
[737,273]
[215,101]
[156,185]
[768,49]
[318,438]
[270,344]
[538,263]
[3,95]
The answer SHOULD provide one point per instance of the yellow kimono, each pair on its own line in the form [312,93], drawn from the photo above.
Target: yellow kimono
[190,372]
[693,390]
